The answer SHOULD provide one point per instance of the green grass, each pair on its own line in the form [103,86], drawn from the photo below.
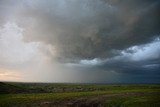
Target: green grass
[14,99]
[150,100]
[63,92]
[17,99]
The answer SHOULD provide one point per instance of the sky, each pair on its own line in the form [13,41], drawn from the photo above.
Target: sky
[80,41]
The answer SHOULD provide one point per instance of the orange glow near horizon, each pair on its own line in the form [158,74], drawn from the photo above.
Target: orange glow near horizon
[9,75]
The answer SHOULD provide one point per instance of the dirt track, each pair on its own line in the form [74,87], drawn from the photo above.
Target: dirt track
[92,101]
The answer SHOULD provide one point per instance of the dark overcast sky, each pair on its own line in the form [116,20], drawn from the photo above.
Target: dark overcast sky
[91,41]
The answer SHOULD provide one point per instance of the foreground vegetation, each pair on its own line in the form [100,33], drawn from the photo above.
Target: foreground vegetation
[78,95]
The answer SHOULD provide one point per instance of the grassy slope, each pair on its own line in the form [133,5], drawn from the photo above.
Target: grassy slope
[147,100]
[62,92]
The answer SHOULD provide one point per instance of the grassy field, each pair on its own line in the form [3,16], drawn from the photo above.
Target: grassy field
[78,95]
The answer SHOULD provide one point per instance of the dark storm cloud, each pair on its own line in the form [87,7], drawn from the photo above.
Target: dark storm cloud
[87,29]
[134,71]
[133,67]
[96,35]
[145,67]
[137,60]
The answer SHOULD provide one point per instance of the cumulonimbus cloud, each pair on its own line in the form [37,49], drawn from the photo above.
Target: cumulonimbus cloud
[100,34]
[89,29]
